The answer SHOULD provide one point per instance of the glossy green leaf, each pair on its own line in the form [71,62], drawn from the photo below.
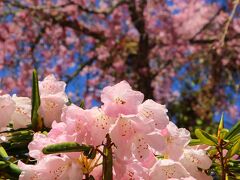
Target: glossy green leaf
[223,133]
[3,164]
[206,138]
[194,142]
[66,147]
[235,130]
[82,104]
[213,151]
[14,169]
[220,126]
[37,122]
[234,150]
[3,153]
[10,168]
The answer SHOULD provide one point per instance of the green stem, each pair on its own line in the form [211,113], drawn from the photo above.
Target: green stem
[220,150]
[107,159]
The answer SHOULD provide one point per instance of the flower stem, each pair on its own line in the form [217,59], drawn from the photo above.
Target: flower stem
[107,159]
[220,150]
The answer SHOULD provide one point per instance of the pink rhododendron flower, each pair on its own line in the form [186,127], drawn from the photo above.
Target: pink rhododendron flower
[77,123]
[57,134]
[120,99]
[193,159]
[51,109]
[152,111]
[100,125]
[166,169]
[7,107]
[126,136]
[22,114]
[176,139]
[136,171]
[137,131]
[50,86]
[53,99]
[51,167]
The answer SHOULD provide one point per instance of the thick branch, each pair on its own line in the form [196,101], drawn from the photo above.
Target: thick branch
[140,60]
[223,38]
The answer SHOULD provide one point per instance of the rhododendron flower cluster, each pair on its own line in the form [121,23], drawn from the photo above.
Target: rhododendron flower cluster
[145,144]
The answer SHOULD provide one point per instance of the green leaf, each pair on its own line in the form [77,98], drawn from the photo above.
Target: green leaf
[234,150]
[223,133]
[213,151]
[3,164]
[235,130]
[220,126]
[14,169]
[82,104]
[66,147]
[37,122]
[3,153]
[206,138]
[195,142]
[10,168]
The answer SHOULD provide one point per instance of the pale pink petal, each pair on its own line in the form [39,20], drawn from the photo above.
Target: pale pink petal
[165,169]
[51,109]
[50,86]
[122,134]
[156,141]
[151,110]
[140,149]
[120,99]
[100,125]
[22,114]
[7,107]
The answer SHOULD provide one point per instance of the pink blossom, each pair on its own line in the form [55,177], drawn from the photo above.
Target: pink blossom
[51,167]
[22,114]
[129,138]
[120,99]
[152,111]
[51,109]
[57,134]
[135,171]
[100,125]
[50,86]
[77,123]
[176,140]
[193,159]
[53,99]
[166,169]
[7,107]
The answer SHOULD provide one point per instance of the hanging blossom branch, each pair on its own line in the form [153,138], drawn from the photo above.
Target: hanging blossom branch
[206,25]
[80,68]
[60,19]
[223,38]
